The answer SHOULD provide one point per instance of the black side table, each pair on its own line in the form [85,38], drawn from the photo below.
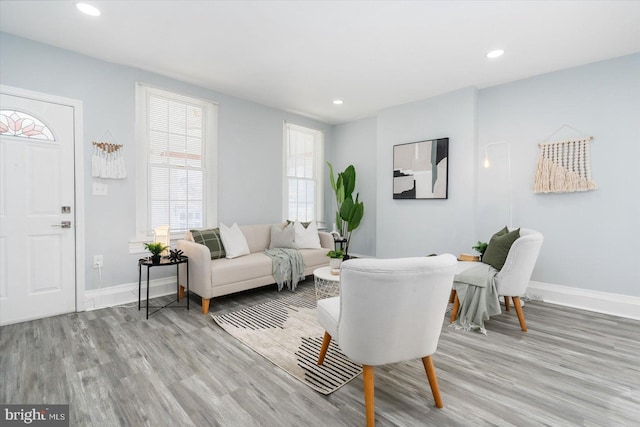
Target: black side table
[164,261]
[339,242]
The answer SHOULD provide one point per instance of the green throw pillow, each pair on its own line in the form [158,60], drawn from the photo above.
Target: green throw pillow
[502,232]
[498,249]
[210,237]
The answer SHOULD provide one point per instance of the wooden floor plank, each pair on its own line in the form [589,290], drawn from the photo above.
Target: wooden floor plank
[572,367]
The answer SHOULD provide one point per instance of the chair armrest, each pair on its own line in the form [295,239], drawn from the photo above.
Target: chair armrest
[199,268]
[326,240]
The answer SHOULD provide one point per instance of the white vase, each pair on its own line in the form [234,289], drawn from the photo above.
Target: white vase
[334,264]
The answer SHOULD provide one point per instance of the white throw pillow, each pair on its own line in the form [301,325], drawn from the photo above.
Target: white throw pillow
[307,238]
[235,244]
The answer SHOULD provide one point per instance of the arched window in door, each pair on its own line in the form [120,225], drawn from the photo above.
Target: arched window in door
[23,125]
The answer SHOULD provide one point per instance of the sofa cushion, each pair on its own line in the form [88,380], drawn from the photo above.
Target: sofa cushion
[248,267]
[257,236]
[235,244]
[315,257]
[210,237]
[282,237]
[306,238]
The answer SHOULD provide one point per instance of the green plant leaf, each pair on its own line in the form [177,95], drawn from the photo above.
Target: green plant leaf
[346,210]
[340,194]
[335,254]
[333,181]
[480,247]
[356,217]
[349,180]
[155,247]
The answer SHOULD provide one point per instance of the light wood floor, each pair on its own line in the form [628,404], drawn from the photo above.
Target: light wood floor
[572,368]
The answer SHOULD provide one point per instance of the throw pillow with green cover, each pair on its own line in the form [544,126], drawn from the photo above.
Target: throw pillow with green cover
[499,245]
[210,237]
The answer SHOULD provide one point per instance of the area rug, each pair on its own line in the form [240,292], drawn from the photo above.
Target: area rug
[285,331]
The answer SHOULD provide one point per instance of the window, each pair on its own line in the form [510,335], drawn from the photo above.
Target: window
[23,125]
[176,180]
[304,158]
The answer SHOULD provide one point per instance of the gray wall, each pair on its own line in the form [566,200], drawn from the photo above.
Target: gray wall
[249,149]
[355,143]
[421,227]
[591,238]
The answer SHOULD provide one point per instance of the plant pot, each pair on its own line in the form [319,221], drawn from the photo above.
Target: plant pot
[155,259]
[334,264]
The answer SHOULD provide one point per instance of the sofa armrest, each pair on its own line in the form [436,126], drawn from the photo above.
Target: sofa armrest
[326,240]
[199,268]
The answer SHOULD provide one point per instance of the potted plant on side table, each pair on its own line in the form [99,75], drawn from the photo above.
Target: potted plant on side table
[480,247]
[349,212]
[335,260]
[156,249]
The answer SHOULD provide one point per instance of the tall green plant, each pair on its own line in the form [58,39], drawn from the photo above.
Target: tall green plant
[350,211]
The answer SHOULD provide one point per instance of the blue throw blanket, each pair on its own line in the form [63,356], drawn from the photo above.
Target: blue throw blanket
[476,290]
[287,267]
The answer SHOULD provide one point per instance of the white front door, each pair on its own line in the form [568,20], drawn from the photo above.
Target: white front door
[37,212]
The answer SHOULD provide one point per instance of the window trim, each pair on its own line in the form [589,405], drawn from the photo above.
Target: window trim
[210,179]
[318,168]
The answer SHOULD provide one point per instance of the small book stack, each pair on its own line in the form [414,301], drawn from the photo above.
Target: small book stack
[466,257]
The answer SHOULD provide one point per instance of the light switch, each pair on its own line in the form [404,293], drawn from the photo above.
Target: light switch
[100,189]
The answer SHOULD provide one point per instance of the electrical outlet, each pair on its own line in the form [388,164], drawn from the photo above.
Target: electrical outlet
[98,261]
[100,189]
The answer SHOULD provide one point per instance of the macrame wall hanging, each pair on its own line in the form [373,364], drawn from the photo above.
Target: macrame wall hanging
[108,160]
[564,166]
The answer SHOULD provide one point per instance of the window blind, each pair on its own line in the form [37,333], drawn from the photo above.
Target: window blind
[303,173]
[176,134]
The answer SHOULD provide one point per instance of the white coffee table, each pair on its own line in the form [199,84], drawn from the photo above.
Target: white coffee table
[327,285]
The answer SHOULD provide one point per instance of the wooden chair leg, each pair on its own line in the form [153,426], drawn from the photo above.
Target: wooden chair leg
[433,380]
[452,296]
[456,307]
[518,307]
[506,303]
[369,404]
[325,346]
[205,305]
[180,292]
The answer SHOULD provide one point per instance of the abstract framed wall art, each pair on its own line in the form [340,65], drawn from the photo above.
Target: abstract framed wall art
[421,170]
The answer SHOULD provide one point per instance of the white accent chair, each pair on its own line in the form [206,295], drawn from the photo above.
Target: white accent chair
[388,311]
[513,279]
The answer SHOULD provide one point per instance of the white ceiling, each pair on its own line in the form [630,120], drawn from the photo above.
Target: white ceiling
[299,56]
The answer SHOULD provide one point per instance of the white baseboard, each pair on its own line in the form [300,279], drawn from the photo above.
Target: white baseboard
[127,293]
[601,302]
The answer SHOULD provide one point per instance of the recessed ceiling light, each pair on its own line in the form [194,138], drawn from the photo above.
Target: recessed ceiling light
[88,9]
[495,53]
[338,101]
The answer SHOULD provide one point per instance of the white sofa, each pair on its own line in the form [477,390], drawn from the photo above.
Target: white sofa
[210,278]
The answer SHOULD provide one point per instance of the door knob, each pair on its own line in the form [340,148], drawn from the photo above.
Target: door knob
[63,224]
